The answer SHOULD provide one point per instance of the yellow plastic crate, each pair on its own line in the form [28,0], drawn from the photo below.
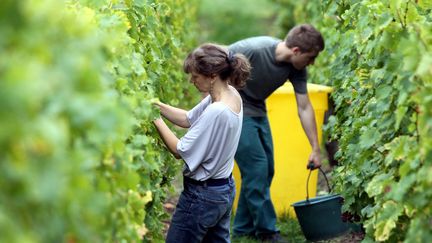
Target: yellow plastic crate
[291,146]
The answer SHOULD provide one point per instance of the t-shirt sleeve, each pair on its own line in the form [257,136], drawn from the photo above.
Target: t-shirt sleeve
[299,81]
[243,48]
[194,113]
[235,48]
[193,147]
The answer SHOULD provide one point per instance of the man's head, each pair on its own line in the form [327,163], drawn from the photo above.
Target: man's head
[305,37]
[306,43]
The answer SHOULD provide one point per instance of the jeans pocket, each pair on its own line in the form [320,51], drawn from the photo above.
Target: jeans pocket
[185,211]
[215,202]
[211,212]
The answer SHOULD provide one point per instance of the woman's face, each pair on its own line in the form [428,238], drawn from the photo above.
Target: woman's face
[201,82]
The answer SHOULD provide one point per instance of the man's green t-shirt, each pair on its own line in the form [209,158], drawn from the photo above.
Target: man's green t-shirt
[266,75]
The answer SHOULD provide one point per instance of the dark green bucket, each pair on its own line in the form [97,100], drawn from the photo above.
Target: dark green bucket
[320,217]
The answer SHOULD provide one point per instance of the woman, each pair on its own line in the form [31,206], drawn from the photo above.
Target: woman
[204,208]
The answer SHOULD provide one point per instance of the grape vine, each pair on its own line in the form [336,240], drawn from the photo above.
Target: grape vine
[378,58]
[80,160]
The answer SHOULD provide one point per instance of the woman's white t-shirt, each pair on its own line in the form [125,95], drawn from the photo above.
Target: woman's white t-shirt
[209,146]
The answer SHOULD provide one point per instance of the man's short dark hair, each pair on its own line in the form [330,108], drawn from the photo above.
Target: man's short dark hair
[305,37]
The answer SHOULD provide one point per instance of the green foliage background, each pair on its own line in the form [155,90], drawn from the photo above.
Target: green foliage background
[378,58]
[80,160]
[226,21]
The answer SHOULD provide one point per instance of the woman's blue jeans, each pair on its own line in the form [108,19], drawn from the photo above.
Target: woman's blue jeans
[202,214]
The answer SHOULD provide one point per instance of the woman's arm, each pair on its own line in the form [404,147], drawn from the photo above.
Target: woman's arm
[175,115]
[168,137]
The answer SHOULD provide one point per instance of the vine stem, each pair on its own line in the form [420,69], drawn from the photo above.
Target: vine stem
[406,13]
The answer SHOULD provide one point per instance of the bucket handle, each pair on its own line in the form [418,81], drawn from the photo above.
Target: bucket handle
[310,167]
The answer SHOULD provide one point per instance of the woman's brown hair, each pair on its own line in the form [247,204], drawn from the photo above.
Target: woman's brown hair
[211,59]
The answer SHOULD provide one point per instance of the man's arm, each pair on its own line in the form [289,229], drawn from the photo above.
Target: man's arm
[307,118]
[168,137]
[175,115]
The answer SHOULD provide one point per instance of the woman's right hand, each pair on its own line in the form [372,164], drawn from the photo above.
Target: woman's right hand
[173,114]
[157,121]
[156,102]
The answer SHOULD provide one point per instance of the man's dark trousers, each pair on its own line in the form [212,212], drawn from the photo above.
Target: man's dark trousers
[255,215]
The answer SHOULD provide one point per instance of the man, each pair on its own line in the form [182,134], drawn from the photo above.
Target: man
[273,63]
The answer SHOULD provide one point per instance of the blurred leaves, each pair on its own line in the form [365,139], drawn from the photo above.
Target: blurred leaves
[226,21]
[81,161]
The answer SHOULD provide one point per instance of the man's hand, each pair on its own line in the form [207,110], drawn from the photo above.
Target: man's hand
[315,159]
[307,119]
